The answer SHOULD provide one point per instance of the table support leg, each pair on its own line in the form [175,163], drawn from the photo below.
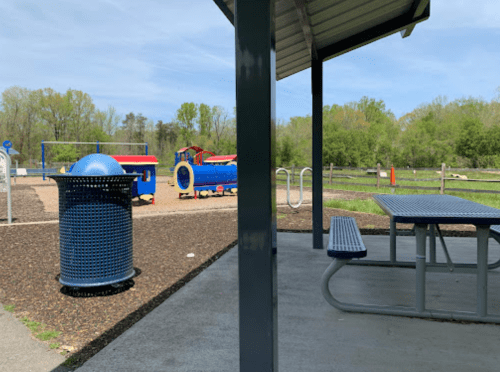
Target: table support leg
[432,244]
[482,269]
[393,242]
[421,235]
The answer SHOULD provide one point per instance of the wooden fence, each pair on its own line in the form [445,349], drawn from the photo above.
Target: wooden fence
[331,175]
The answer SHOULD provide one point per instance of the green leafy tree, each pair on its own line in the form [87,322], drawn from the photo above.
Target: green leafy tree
[205,120]
[186,117]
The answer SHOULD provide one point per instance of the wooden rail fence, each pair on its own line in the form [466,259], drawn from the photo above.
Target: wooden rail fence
[330,176]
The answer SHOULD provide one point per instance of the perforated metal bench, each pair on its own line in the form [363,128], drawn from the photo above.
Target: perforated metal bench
[495,232]
[345,243]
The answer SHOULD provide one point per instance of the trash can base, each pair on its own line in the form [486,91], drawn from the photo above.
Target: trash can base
[105,281]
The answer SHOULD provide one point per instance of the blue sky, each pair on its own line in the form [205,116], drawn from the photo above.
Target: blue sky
[150,56]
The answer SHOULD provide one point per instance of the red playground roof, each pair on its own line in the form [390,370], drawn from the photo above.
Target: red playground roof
[135,159]
[195,148]
[221,158]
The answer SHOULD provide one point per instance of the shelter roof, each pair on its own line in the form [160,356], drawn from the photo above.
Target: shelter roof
[324,29]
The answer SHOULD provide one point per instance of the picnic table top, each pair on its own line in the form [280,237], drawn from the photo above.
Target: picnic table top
[437,209]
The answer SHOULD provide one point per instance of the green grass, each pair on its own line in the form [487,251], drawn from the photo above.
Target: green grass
[38,329]
[492,200]
[55,345]
[32,326]
[47,335]
[9,308]
[357,205]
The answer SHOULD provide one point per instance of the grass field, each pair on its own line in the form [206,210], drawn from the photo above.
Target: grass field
[369,206]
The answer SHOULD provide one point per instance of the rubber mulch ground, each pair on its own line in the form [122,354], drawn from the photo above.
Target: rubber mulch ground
[89,319]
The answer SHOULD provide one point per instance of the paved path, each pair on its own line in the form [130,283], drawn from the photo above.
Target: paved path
[20,353]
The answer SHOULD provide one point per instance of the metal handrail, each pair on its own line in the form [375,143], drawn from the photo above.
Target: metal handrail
[288,185]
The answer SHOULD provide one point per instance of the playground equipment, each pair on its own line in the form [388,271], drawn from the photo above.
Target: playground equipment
[95,223]
[192,173]
[288,185]
[5,164]
[184,155]
[97,143]
[222,160]
[145,164]
[204,178]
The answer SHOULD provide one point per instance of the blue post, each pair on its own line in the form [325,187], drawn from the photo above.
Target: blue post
[43,160]
[146,148]
[97,147]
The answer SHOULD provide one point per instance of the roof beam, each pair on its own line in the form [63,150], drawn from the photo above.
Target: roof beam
[372,34]
[227,12]
[418,7]
[306,27]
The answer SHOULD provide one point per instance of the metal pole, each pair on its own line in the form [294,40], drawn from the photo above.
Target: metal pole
[432,243]
[97,143]
[483,233]
[420,232]
[256,148]
[392,241]
[43,160]
[443,166]
[317,151]
[146,148]
[7,180]
[378,175]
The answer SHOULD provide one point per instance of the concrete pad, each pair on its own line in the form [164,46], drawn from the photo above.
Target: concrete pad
[196,329]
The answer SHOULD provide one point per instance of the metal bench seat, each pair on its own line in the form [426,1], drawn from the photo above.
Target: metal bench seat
[345,243]
[495,232]
[345,239]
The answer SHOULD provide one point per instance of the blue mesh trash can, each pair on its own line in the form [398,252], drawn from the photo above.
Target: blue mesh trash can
[95,222]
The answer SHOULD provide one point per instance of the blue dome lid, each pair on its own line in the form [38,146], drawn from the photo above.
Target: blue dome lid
[97,165]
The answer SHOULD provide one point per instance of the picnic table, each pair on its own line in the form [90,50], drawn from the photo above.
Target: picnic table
[425,210]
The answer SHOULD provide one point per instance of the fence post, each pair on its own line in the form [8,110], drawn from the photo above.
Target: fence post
[293,174]
[443,166]
[331,171]
[378,175]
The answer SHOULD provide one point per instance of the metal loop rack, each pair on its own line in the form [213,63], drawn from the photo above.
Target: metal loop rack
[288,185]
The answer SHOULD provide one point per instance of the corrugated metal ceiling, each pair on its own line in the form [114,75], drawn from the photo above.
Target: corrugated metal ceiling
[324,29]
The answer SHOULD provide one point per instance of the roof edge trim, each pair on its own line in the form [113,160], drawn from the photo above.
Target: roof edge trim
[373,34]
[223,7]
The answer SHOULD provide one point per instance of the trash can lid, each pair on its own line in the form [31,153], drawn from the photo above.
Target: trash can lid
[97,165]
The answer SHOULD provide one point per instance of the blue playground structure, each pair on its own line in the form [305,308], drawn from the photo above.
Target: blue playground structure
[144,164]
[191,175]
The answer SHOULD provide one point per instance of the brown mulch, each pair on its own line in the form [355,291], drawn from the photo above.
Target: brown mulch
[89,319]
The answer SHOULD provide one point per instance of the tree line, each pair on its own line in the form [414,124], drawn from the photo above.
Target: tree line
[461,133]
[29,116]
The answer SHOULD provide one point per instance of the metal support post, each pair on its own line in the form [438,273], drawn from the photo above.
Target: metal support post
[97,144]
[432,243]
[43,160]
[483,233]
[421,235]
[392,242]
[146,149]
[8,163]
[317,151]
[256,139]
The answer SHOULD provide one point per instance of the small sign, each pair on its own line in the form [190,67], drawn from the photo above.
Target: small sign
[220,188]
[7,144]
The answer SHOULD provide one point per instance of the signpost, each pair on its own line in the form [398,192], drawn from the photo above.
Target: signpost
[5,177]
